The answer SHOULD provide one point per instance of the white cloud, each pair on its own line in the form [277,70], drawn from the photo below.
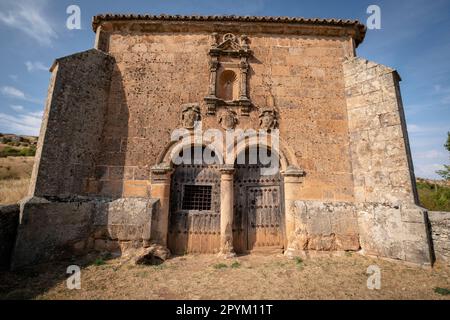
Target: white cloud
[427,170]
[430,154]
[16,107]
[36,66]
[15,93]
[28,16]
[26,124]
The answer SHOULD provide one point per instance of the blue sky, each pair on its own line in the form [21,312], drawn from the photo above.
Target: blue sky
[414,39]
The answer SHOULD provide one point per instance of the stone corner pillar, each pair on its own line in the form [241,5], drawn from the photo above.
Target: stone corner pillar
[293,178]
[226,211]
[161,177]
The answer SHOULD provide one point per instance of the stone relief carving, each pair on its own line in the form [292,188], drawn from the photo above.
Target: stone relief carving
[268,119]
[190,114]
[228,119]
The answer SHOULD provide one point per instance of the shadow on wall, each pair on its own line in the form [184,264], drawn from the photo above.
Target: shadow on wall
[111,170]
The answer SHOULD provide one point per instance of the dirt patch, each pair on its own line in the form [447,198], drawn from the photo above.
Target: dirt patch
[246,277]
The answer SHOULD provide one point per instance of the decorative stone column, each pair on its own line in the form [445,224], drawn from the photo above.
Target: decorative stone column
[293,178]
[226,211]
[161,176]
[243,66]
[214,64]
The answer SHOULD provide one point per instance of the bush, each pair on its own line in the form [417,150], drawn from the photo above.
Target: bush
[434,197]
[16,152]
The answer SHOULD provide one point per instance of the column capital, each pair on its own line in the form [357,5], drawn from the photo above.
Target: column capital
[227,169]
[161,172]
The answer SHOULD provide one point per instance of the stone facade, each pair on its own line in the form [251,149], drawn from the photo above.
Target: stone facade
[104,167]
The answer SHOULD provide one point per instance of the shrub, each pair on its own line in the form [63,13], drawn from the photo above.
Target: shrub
[442,291]
[433,196]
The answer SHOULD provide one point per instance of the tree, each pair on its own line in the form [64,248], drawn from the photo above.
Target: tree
[445,173]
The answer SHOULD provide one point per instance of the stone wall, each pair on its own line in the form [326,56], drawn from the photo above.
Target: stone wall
[65,227]
[390,231]
[381,159]
[72,123]
[395,231]
[9,219]
[440,232]
[325,226]
[158,71]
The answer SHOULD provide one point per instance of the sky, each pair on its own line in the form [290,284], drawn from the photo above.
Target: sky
[414,39]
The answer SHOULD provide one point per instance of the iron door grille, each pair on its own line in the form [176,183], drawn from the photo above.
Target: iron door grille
[196,197]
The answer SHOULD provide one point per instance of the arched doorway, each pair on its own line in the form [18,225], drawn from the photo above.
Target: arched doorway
[258,199]
[194,218]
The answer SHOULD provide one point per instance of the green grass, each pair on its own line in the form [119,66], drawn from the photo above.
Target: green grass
[434,197]
[442,291]
[99,262]
[220,266]
[235,265]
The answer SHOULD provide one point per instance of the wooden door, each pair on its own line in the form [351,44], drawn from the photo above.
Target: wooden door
[194,221]
[258,220]
[264,218]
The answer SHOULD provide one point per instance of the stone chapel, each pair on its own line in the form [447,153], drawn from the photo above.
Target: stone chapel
[105,178]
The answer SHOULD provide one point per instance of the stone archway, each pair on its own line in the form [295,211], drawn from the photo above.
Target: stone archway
[291,175]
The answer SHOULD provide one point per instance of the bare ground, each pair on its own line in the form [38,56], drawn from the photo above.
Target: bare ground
[246,277]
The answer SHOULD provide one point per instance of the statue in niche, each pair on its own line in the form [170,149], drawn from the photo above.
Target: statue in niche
[268,119]
[228,119]
[190,114]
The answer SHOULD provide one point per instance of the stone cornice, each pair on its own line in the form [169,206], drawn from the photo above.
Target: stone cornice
[241,24]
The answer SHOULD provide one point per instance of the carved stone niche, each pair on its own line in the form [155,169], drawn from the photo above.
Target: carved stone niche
[190,113]
[228,68]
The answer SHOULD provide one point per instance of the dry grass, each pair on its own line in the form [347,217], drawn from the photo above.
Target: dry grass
[246,277]
[15,175]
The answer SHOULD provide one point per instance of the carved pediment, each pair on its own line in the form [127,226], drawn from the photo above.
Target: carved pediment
[229,45]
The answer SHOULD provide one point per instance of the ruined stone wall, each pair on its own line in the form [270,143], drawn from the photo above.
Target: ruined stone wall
[440,232]
[60,229]
[380,155]
[157,72]
[9,220]
[72,124]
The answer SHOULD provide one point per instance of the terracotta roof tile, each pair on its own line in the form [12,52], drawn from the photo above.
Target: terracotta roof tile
[166,17]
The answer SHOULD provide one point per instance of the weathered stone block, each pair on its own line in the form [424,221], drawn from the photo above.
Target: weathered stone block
[58,228]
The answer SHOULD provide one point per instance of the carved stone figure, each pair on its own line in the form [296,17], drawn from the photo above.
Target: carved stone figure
[228,119]
[190,114]
[268,119]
